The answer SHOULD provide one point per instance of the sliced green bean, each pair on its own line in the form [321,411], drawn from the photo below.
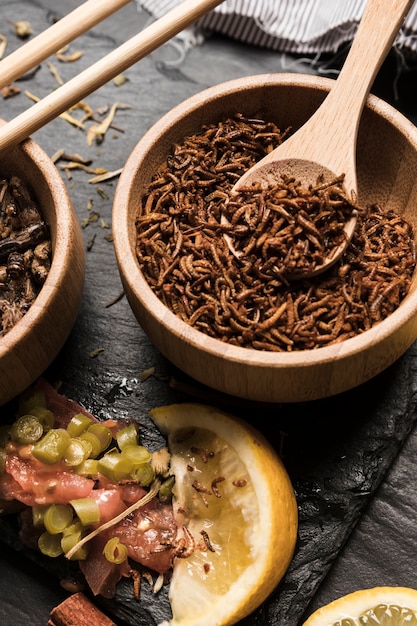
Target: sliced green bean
[94,442]
[103,434]
[77,452]
[115,551]
[127,436]
[44,415]
[26,429]
[52,447]
[115,466]
[57,517]
[137,454]
[78,424]
[88,468]
[87,510]
[165,490]
[70,537]
[143,474]
[50,545]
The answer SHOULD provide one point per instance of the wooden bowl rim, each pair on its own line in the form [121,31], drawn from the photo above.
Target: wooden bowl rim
[138,285]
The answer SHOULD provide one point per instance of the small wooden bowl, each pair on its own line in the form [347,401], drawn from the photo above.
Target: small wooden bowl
[32,344]
[387,167]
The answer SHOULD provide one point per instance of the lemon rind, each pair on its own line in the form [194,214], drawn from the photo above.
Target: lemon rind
[358,602]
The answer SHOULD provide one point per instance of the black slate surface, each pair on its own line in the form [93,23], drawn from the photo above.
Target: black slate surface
[337,451]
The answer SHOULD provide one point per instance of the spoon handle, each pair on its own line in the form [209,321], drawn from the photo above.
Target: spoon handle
[328,138]
[376,33]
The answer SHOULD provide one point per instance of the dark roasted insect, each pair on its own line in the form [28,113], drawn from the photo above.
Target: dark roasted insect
[25,252]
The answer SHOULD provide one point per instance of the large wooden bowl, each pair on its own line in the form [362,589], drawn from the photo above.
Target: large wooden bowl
[32,344]
[387,174]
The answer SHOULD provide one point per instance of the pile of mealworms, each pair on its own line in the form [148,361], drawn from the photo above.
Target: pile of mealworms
[226,277]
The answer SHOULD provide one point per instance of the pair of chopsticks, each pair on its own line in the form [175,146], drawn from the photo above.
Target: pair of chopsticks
[68,28]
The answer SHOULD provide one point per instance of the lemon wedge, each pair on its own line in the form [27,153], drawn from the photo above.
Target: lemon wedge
[236,501]
[382,606]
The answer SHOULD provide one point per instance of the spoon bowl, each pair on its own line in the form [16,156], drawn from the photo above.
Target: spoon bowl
[273,175]
[324,148]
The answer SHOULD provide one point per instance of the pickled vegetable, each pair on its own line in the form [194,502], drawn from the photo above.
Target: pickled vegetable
[115,551]
[26,429]
[143,474]
[70,537]
[50,545]
[44,415]
[57,517]
[137,454]
[127,436]
[103,435]
[78,424]
[87,511]
[115,466]
[52,447]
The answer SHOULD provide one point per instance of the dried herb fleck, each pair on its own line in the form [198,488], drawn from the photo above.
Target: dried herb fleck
[22,29]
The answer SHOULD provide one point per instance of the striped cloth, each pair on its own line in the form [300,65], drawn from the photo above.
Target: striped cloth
[293,26]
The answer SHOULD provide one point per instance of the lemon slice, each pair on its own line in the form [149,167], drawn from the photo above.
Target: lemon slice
[382,606]
[235,497]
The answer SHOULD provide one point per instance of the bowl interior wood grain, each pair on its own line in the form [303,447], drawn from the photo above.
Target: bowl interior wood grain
[32,344]
[387,167]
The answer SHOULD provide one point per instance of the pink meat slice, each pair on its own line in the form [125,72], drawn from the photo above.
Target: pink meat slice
[38,483]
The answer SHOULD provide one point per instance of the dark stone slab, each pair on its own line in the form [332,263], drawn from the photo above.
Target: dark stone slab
[337,450]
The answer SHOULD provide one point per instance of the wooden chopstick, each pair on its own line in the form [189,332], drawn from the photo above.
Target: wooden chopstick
[56,37]
[114,63]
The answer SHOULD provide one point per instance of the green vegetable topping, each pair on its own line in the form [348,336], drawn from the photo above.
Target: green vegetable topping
[26,429]
[70,537]
[52,447]
[88,468]
[115,551]
[165,490]
[76,452]
[93,441]
[50,545]
[44,415]
[87,510]
[143,474]
[127,436]
[115,466]
[78,424]
[103,434]
[85,448]
[137,454]
[57,517]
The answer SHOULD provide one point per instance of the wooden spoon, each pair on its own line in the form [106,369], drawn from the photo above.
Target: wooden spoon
[325,146]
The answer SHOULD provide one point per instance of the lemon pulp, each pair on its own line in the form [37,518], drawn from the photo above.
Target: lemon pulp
[228,550]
